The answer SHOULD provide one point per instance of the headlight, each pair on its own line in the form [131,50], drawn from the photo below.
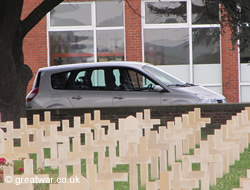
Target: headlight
[206,99]
[224,101]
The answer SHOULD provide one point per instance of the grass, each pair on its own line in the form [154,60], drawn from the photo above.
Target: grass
[237,171]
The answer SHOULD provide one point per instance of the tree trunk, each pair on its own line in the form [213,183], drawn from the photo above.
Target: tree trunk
[14,78]
[14,74]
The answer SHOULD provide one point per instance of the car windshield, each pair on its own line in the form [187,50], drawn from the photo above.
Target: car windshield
[163,76]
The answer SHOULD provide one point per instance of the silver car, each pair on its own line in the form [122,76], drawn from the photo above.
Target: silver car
[113,84]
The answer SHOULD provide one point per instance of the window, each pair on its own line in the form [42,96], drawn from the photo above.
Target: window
[163,76]
[82,81]
[90,79]
[131,80]
[199,12]
[140,82]
[181,38]
[109,13]
[71,47]
[168,46]
[245,55]
[71,15]
[86,32]
[165,12]
[110,43]
[244,73]
[122,79]
[206,45]
[169,29]
[59,80]
[98,78]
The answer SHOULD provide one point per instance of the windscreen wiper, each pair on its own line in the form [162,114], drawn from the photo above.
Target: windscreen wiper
[177,85]
[190,84]
[182,85]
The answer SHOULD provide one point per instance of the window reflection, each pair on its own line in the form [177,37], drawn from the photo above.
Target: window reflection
[109,13]
[165,12]
[245,55]
[73,14]
[74,43]
[206,46]
[166,46]
[70,60]
[110,45]
[71,47]
[205,15]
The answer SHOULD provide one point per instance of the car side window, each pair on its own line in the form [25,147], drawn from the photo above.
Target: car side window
[82,81]
[140,82]
[131,80]
[90,79]
[98,78]
[59,80]
[102,79]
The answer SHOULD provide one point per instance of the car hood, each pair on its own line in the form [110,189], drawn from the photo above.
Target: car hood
[197,90]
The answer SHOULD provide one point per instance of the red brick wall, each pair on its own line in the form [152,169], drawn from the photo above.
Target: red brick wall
[230,70]
[35,43]
[133,30]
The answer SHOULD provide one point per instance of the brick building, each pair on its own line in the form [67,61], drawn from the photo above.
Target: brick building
[185,42]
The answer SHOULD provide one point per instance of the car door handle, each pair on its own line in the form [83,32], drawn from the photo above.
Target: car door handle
[118,97]
[76,97]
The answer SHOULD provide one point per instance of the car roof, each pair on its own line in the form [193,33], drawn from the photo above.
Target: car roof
[76,66]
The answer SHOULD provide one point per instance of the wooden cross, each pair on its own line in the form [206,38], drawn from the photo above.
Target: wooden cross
[208,162]
[79,153]
[154,154]
[95,183]
[147,123]
[133,159]
[233,147]
[46,124]
[62,161]
[105,172]
[129,132]
[178,182]
[10,154]
[216,148]
[104,141]
[228,136]
[75,131]
[162,183]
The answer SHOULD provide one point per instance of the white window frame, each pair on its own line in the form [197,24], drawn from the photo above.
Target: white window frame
[91,27]
[188,25]
[241,83]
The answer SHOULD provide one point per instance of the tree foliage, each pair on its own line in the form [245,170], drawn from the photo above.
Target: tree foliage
[236,15]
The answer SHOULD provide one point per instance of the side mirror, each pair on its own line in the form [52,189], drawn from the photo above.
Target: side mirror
[158,88]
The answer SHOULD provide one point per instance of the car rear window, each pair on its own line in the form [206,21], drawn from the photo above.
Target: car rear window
[37,81]
[59,80]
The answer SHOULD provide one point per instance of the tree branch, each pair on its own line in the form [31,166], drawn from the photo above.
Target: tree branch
[37,14]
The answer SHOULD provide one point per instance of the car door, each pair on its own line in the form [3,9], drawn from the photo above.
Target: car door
[88,89]
[134,89]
